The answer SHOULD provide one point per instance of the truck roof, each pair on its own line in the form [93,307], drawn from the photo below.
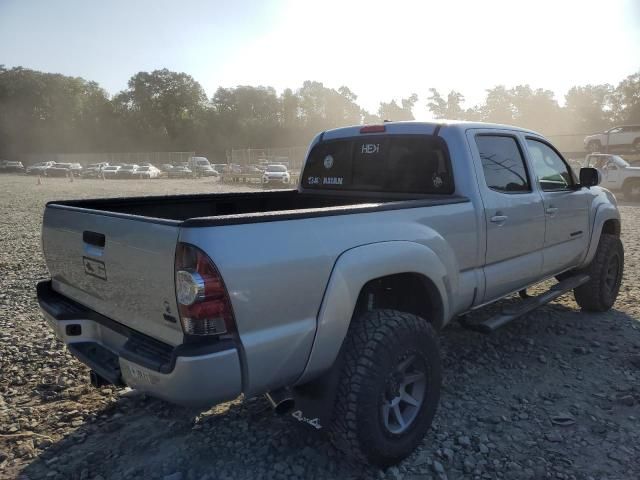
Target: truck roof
[417,127]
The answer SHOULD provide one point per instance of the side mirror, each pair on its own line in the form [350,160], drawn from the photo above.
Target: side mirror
[590,177]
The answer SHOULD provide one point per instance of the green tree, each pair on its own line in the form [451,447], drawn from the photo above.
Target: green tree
[626,100]
[394,112]
[498,107]
[588,108]
[161,108]
[451,108]
[44,112]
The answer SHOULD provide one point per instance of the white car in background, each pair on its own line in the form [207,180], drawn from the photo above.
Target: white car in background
[110,171]
[146,171]
[276,174]
[39,168]
[622,137]
[617,174]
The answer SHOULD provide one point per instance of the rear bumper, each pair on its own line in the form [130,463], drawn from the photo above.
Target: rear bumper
[189,374]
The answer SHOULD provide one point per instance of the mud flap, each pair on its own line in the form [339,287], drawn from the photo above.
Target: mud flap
[314,401]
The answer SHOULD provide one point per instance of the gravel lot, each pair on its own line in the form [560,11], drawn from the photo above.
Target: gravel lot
[553,395]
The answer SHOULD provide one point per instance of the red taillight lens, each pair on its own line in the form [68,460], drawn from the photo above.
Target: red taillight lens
[373,129]
[203,301]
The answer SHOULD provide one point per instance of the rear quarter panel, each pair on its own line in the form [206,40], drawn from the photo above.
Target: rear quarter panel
[277,272]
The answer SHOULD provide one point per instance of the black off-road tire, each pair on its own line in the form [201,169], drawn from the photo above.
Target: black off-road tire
[600,292]
[376,342]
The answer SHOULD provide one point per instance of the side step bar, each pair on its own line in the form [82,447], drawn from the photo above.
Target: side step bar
[525,306]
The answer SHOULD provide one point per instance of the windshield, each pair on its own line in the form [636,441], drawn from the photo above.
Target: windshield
[276,168]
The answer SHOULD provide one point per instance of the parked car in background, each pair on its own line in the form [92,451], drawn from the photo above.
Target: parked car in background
[251,169]
[58,170]
[625,137]
[617,174]
[220,167]
[39,168]
[165,167]
[11,166]
[180,172]
[208,171]
[127,171]
[276,174]
[145,171]
[94,170]
[75,169]
[199,164]
[110,171]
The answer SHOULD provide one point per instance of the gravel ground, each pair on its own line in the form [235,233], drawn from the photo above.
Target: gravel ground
[553,395]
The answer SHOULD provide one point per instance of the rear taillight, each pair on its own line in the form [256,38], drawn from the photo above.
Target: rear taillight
[203,300]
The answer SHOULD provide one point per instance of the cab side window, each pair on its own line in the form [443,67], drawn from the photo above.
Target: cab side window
[550,169]
[503,164]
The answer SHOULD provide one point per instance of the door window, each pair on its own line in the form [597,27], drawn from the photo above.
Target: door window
[551,170]
[503,164]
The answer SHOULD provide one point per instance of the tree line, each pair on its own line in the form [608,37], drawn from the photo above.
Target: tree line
[170,111]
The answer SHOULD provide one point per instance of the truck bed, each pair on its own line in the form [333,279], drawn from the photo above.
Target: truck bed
[246,207]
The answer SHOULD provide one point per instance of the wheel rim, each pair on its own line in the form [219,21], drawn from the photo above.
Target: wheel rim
[404,394]
[613,272]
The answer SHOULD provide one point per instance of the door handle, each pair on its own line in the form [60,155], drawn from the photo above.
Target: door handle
[552,210]
[93,243]
[499,219]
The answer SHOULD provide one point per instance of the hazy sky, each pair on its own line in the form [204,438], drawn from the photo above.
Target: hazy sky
[381,50]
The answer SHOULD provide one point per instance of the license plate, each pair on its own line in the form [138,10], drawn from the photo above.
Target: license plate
[95,268]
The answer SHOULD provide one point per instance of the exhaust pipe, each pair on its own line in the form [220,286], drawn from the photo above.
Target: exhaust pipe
[281,400]
[97,380]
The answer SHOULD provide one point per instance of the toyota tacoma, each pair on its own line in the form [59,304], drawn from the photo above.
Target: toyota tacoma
[329,298]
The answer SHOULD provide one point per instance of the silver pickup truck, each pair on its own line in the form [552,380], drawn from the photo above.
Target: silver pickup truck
[329,298]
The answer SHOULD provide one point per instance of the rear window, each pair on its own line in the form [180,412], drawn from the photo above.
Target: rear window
[386,163]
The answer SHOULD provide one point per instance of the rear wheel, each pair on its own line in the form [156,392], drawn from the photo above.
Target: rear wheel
[600,292]
[389,387]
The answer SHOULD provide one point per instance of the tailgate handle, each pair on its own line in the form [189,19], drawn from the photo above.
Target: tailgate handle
[93,238]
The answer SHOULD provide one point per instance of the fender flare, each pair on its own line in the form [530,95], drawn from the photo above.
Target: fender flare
[604,212]
[352,270]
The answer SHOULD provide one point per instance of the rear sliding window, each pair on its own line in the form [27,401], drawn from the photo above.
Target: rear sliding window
[385,163]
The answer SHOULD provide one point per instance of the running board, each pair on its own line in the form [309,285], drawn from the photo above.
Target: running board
[512,312]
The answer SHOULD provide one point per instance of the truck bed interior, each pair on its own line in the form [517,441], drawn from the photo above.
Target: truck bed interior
[181,208]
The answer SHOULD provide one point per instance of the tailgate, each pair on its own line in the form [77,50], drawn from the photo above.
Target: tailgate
[121,267]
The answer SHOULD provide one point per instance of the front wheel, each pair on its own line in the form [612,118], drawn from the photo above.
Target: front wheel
[389,387]
[600,292]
